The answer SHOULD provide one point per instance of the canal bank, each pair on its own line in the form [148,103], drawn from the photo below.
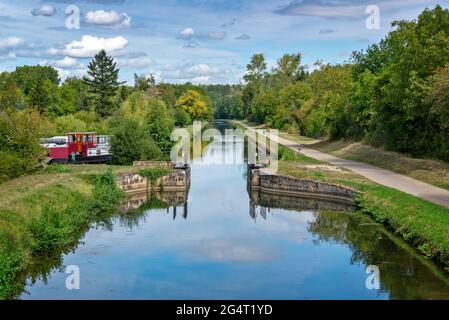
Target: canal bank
[423,224]
[44,215]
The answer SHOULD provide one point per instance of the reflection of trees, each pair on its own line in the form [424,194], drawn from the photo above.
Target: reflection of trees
[402,272]
[136,209]
[43,265]
[135,217]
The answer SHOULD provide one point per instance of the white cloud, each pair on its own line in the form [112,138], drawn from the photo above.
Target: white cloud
[200,80]
[139,62]
[187,33]
[232,250]
[190,33]
[342,9]
[67,62]
[108,18]
[66,67]
[8,57]
[200,69]
[11,42]
[45,10]
[64,74]
[88,46]
[195,73]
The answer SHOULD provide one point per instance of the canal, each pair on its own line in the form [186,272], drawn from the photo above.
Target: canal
[220,241]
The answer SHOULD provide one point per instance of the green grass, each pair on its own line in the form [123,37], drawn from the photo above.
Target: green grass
[46,212]
[434,172]
[297,138]
[422,224]
[152,174]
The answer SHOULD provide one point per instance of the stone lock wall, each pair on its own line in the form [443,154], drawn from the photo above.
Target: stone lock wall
[260,180]
[178,180]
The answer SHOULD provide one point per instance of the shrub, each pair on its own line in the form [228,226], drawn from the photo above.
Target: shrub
[130,142]
[152,174]
[106,194]
[10,264]
[48,229]
[69,123]
[19,137]
[160,123]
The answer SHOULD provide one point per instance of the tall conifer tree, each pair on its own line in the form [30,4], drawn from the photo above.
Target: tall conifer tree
[103,81]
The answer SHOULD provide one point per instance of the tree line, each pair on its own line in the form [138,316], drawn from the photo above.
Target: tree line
[394,94]
[35,104]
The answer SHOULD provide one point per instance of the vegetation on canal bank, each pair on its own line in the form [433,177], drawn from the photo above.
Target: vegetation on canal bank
[152,174]
[393,94]
[422,224]
[45,212]
[434,172]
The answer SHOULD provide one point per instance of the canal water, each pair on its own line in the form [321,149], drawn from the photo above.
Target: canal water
[227,243]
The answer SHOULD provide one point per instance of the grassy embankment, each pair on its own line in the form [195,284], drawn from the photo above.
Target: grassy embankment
[434,172]
[422,224]
[50,210]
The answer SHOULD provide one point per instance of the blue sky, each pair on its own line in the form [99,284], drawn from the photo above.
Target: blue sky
[201,41]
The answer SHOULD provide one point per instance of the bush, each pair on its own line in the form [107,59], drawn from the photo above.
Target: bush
[152,174]
[106,194]
[10,265]
[59,226]
[130,142]
[19,137]
[182,118]
[48,229]
[160,123]
[69,123]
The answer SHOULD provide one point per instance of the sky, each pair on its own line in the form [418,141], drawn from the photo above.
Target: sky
[198,41]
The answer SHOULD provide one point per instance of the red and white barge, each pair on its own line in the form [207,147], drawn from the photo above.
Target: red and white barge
[78,147]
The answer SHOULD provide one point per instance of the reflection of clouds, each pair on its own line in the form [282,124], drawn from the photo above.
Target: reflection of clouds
[286,224]
[232,250]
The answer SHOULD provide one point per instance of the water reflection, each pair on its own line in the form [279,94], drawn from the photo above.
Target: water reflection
[262,202]
[404,274]
[205,245]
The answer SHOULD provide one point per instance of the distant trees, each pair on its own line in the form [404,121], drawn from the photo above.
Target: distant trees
[10,94]
[143,82]
[141,117]
[393,94]
[102,82]
[38,85]
[194,104]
